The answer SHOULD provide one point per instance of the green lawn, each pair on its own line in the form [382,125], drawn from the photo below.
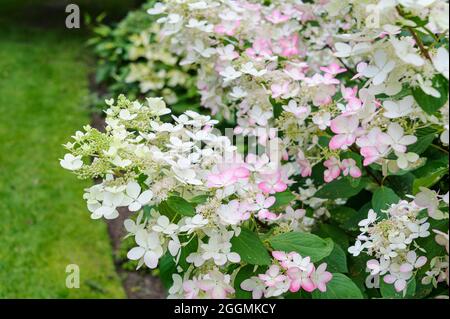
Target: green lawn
[44,223]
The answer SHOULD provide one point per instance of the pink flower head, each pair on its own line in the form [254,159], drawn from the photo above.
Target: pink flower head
[329,79]
[227,28]
[300,279]
[333,169]
[333,69]
[261,48]
[277,17]
[289,46]
[296,71]
[353,106]
[227,177]
[321,277]
[349,93]
[262,204]
[272,276]
[191,289]
[279,89]
[272,184]
[345,127]
[305,167]
[255,163]
[349,166]
[216,285]
[371,145]
[279,255]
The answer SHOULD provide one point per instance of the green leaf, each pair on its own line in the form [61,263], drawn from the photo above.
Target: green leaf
[283,199]
[341,188]
[335,233]
[337,260]
[352,223]
[180,206]
[430,174]
[342,215]
[425,137]
[304,243]
[429,243]
[429,103]
[277,108]
[250,248]
[200,199]
[166,269]
[383,198]
[167,266]
[388,290]
[340,287]
[190,247]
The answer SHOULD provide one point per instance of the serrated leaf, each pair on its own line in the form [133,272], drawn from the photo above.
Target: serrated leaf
[180,206]
[283,199]
[430,174]
[341,188]
[250,248]
[304,243]
[429,103]
[338,235]
[337,260]
[383,198]
[340,287]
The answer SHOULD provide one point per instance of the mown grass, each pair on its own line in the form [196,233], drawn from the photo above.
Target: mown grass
[44,224]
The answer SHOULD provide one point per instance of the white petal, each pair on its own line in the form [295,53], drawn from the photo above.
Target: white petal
[133,189]
[145,197]
[151,260]
[135,206]
[136,253]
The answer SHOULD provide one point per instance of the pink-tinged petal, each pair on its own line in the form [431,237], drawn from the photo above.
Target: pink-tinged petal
[420,261]
[206,285]
[389,279]
[337,141]
[241,172]
[400,285]
[350,139]
[278,255]
[264,187]
[326,277]
[355,172]
[339,125]
[218,293]
[269,202]
[373,264]
[280,187]
[384,138]
[308,285]
[214,181]
[406,267]
[295,286]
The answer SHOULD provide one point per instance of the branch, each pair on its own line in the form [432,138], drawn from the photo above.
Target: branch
[419,42]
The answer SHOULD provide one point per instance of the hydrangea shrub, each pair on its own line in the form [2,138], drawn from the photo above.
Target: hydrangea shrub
[333,181]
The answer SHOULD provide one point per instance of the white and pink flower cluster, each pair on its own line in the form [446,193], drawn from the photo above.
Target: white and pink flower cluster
[291,272]
[253,58]
[144,161]
[391,238]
